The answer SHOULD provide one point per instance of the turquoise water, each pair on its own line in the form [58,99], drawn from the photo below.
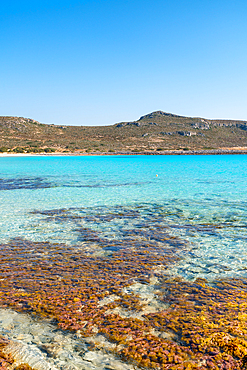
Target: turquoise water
[90,201]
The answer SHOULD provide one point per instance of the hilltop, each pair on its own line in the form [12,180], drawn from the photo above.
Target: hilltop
[156,131]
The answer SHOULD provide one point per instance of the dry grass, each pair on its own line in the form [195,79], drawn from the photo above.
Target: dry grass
[157,130]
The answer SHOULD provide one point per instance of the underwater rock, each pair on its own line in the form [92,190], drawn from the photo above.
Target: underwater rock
[27,354]
[105,361]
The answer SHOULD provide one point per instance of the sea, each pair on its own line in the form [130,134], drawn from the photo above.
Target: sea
[200,200]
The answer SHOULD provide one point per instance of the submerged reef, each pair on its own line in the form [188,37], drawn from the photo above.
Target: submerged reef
[124,302]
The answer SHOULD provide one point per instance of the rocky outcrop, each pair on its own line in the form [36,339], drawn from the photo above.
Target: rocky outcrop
[16,123]
[201,125]
[181,133]
[242,126]
[136,123]
[158,113]
[186,133]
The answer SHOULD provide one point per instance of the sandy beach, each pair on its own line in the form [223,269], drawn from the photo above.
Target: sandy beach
[237,150]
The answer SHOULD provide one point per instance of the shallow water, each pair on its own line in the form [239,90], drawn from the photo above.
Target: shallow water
[201,199]
[189,209]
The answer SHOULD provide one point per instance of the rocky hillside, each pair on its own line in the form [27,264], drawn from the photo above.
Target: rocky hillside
[156,131]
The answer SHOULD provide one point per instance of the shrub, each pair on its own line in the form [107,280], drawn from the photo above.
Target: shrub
[19,150]
[49,150]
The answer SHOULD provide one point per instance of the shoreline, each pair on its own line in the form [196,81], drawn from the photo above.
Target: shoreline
[163,152]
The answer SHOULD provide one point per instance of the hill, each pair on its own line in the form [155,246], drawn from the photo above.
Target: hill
[156,131]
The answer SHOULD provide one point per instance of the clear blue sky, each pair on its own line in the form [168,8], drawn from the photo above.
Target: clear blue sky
[98,62]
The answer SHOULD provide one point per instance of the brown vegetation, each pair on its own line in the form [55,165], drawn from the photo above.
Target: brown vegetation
[154,132]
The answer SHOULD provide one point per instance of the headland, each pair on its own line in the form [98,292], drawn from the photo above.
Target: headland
[156,133]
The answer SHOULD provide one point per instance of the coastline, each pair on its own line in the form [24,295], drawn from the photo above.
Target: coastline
[223,151]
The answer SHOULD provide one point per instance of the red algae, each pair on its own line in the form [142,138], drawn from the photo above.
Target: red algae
[5,360]
[207,322]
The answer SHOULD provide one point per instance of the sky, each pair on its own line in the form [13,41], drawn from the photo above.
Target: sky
[98,62]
